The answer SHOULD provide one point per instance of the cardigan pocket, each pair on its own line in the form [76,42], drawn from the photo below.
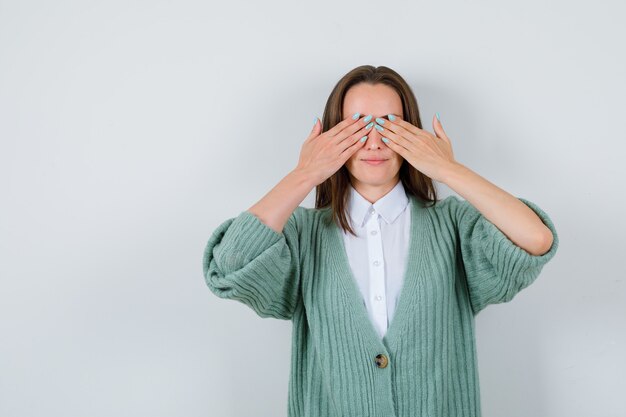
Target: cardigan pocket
[496,269]
[246,260]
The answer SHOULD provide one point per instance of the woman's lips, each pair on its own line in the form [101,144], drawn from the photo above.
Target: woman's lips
[374,162]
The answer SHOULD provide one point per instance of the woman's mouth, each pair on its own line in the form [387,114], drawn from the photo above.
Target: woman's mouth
[374,161]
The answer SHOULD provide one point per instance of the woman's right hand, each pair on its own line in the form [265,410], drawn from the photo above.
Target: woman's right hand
[323,154]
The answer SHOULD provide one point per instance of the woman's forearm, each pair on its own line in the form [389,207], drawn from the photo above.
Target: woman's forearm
[279,203]
[516,220]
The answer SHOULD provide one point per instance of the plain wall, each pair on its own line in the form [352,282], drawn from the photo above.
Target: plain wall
[130,130]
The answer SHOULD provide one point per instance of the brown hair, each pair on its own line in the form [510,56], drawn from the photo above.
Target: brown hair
[333,191]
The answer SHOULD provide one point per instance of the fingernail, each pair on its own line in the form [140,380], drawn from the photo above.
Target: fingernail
[379,128]
[380,121]
[367,119]
[385,140]
[315,121]
[356,116]
[364,138]
[438,116]
[369,125]
[391,117]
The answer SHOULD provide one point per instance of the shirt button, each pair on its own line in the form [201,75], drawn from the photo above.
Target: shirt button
[372,211]
[376,263]
[381,361]
[378,297]
[373,232]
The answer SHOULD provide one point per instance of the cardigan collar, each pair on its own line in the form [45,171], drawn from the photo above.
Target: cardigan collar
[414,276]
[388,206]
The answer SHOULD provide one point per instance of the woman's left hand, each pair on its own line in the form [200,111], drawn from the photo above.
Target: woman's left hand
[432,155]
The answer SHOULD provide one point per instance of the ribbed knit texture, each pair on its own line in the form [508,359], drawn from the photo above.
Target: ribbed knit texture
[458,263]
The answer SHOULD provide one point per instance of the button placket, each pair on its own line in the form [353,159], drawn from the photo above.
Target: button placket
[377,272]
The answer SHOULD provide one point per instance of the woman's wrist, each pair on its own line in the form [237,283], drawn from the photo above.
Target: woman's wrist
[304,177]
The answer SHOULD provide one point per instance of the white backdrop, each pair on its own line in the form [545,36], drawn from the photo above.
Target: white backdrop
[129,130]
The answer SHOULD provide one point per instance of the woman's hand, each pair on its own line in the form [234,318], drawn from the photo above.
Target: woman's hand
[430,154]
[323,154]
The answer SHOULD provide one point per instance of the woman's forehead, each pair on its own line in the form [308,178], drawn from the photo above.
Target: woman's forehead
[377,102]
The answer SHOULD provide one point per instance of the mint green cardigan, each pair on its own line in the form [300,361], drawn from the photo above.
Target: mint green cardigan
[426,363]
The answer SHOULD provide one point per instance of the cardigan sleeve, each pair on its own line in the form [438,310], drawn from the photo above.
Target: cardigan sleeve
[247,261]
[496,269]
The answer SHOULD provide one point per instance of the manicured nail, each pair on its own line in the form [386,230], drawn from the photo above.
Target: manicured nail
[380,121]
[379,128]
[369,125]
[367,119]
[315,122]
[385,140]
[356,116]
[391,117]
[438,116]
[364,138]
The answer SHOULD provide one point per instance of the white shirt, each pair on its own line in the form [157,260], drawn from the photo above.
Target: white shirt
[378,254]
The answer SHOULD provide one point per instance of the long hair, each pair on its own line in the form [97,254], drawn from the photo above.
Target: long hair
[334,190]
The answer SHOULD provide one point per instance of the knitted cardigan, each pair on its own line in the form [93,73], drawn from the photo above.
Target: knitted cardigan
[458,263]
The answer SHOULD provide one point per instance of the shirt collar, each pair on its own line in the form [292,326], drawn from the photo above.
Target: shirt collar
[388,206]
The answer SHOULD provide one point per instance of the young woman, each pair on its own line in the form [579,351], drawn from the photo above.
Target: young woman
[381,280]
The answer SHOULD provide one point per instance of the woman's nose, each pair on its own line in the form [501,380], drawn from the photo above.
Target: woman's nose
[375,139]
